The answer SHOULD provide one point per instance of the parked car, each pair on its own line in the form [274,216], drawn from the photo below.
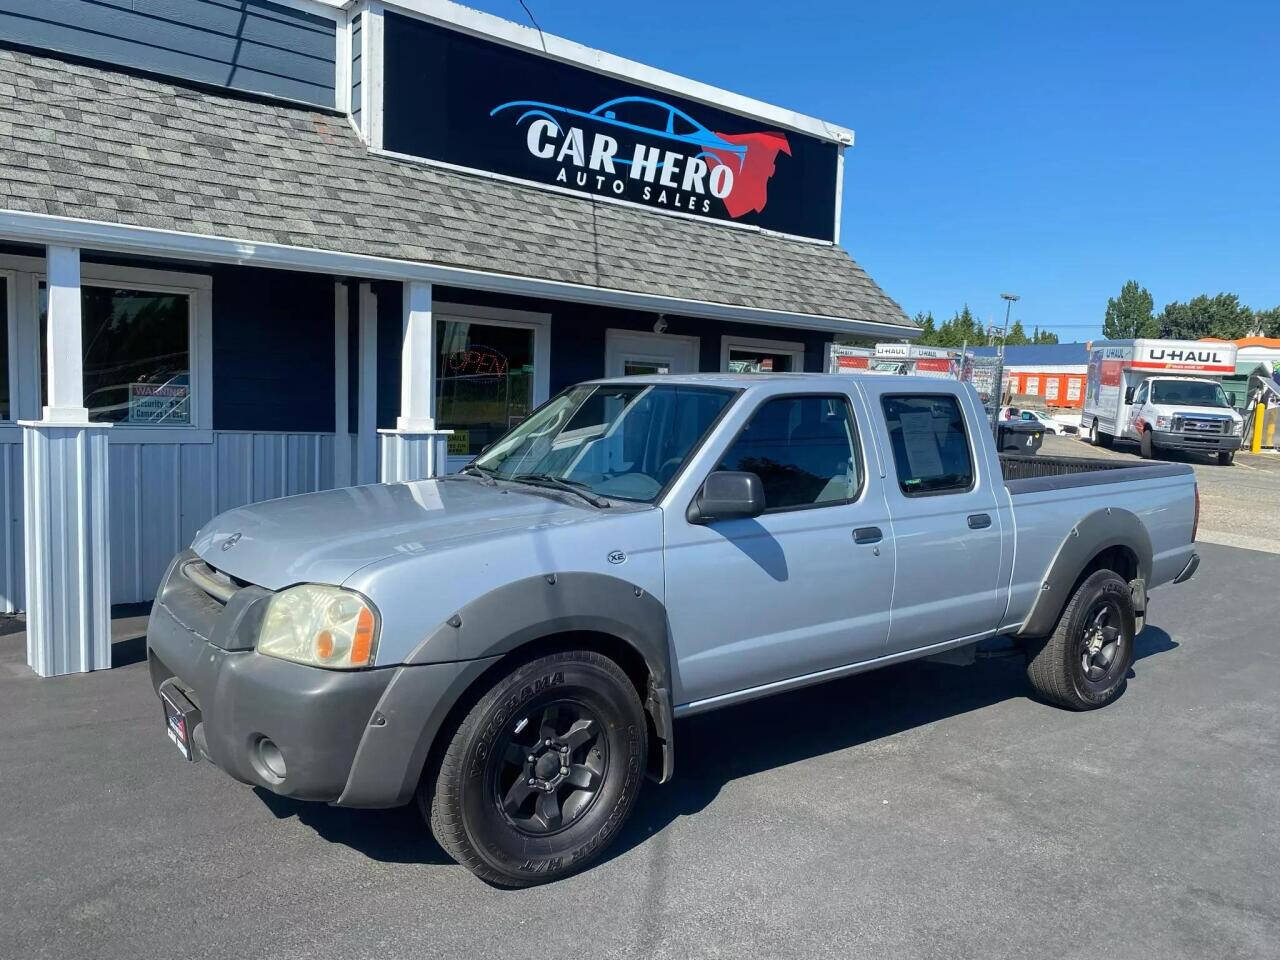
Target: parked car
[1038,417]
[510,646]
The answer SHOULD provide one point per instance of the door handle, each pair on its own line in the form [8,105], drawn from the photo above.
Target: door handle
[867,535]
[979,521]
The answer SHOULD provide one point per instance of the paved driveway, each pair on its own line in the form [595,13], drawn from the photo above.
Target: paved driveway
[926,811]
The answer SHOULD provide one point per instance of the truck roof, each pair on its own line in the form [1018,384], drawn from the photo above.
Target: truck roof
[745,381]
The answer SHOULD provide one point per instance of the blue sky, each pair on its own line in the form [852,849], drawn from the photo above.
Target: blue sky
[1055,150]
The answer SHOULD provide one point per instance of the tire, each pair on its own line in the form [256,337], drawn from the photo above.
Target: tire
[1226,457]
[1145,447]
[479,800]
[1056,665]
[1090,434]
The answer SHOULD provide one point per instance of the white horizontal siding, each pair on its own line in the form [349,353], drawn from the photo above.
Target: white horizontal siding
[161,493]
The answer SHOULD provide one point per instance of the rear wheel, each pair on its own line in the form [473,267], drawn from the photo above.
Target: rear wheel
[1226,457]
[1090,433]
[1084,663]
[542,772]
[1145,446]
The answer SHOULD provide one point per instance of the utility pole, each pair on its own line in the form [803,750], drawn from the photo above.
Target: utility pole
[1009,300]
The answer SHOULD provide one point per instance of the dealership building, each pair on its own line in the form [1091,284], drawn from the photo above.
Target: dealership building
[251,249]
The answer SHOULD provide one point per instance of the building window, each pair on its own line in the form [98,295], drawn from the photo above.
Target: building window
[803,449]
[484,381]
[6,411]
[930,445]
[137,354]
[745,355]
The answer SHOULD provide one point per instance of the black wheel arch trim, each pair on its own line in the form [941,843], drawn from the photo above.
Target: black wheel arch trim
[1098,532]
[443,667]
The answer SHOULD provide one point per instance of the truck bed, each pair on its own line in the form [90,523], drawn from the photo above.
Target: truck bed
[1035,473]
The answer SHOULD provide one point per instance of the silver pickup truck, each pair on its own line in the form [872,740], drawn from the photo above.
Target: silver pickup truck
[510,646]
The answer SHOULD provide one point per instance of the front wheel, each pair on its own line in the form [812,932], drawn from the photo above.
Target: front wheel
[1084,663]
[542,772]
[1145,447]
[1226,457]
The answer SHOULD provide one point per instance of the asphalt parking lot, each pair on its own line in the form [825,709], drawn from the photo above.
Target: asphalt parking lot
[923,811]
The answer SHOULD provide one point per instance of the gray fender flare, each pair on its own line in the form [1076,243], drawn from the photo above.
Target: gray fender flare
[1099,531]
[447,662]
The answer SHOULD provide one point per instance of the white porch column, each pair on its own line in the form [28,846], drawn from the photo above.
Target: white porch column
[65,485]
[415,449]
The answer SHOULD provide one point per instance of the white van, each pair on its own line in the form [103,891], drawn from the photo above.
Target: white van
[1163,394]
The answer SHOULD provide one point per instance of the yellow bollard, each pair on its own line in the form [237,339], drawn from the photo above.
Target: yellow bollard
[1259,416]
[1270,439]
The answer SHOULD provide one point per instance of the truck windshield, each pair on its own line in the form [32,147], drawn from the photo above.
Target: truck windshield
[1191,393]
[624,440]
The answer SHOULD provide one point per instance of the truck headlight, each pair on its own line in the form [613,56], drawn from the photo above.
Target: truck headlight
[1164,423]
[1237,428]
[321,626]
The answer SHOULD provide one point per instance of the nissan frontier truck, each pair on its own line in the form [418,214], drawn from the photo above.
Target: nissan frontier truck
[510,647]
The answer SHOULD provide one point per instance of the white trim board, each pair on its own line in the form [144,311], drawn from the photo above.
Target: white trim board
[466,20]
[152,241]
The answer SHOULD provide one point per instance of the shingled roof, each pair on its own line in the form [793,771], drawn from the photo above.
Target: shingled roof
[100,144]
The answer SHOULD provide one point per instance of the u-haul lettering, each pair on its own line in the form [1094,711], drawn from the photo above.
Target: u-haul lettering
[1186,358]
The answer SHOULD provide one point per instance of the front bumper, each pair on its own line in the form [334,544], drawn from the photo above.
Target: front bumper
[1213,442]
[354,738]
[315,717]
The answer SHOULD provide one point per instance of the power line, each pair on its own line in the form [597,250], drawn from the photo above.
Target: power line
[535,25]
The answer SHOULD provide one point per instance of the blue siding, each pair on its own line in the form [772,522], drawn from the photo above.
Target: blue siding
[250,45]
[272,350]
[357,68]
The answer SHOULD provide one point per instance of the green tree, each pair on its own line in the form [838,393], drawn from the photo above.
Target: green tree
[1130,314]
[1017,336]
[1044,336]
[1267,321]
[1222,316]
[928,328]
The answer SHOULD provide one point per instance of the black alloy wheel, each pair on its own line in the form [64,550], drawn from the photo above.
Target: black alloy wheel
[551,767]
[1084,663]
[1100,641]
[537,779]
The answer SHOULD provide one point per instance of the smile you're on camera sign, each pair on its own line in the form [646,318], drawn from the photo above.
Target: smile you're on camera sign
[479,104]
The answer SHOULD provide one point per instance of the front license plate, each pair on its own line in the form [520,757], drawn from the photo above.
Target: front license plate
[176,724]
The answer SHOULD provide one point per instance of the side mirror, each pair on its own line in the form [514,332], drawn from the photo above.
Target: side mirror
[727,495]
[1128,395]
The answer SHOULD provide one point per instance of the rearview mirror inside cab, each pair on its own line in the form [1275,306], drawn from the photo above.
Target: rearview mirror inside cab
[727,495]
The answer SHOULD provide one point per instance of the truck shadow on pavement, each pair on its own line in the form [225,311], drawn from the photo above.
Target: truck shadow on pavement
[716,748]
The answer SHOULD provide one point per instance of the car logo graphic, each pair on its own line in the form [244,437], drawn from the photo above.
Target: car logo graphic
[231,541]
[617,556]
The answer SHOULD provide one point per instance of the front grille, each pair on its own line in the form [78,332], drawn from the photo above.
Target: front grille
[1202,426]
[215,584]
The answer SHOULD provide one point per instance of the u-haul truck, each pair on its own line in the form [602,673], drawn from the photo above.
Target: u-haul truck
[1163,394]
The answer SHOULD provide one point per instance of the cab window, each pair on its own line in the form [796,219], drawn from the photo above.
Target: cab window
[803,449]
[930,443]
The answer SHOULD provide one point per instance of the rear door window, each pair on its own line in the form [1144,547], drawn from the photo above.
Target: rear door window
[930,443]
[803,449]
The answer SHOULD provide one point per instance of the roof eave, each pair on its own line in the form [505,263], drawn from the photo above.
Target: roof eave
[23,226]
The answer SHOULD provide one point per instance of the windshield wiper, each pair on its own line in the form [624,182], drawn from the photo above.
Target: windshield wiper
[559,483]
[479,473]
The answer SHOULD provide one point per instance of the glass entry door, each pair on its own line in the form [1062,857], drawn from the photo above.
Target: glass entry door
[630,353]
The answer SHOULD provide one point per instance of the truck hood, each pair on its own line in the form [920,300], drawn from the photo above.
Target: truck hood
[326,537]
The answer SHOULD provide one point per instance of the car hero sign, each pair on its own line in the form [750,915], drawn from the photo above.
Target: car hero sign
[448,97]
